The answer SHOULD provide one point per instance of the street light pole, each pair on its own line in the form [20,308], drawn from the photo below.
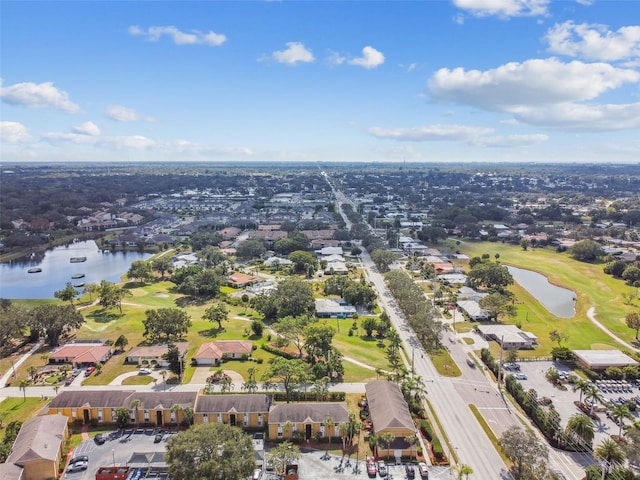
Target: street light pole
[113,457]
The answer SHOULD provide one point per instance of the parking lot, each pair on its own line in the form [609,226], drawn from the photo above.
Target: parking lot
[563,400]
[116,450]
[119,448]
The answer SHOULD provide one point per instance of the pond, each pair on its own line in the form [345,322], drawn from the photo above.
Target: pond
[57,269]
[557,300]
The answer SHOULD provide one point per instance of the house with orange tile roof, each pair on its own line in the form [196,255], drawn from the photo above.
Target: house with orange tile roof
[213,353]
[81,354]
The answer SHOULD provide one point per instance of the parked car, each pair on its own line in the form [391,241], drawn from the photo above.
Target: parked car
[410,471]
[382,469]
[521,376]
[257,473]
[77,467]
[158,438]
[80,458]
[371,467]
[100,438]
[89,371]
[423,470]
[144,371]
[471,363]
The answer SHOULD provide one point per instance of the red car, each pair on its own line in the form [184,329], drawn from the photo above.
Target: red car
[89,371]
[371,467]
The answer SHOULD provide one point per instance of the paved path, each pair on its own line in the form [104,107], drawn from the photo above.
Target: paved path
[591,313]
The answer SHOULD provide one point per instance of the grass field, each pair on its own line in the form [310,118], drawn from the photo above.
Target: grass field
[593,288]
[18,409]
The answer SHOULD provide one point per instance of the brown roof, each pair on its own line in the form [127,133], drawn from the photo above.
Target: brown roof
[81,353]
[249,403]
[122,398]
[217,349]
[308,412]
[238,278]
[40,438]
[162,400]
[318,234]
[387,406]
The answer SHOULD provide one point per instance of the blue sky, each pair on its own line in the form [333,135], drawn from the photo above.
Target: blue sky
[419,81]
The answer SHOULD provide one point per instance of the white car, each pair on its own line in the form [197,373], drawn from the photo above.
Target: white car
[521,376]
[144,371]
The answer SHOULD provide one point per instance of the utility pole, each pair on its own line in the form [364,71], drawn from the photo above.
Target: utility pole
[500,364]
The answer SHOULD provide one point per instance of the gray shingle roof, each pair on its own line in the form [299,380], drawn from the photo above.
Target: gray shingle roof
[308,412]
[39,438]
[387,406]
[122,398]
[249,403]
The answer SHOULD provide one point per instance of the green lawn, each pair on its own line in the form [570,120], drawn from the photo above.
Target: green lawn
[18,409]
[593,289]
[444,364]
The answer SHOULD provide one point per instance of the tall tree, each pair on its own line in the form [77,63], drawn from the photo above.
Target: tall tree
[282,455]
[165,324]
[527,453]
[216,313]
[210,450]
[582,427]
[292,329]
[53,321]
[291,373]
[633,321]
[140,270]
[121,343]
[293,297]
[67,294]
[162,265]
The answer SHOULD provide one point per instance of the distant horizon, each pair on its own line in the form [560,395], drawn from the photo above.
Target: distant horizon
[438,81]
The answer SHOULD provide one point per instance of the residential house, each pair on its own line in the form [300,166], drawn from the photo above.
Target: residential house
[153,355]
[473,310]
[81,354]
[327,251]
[389,413]
[37,450]
[333,308]
[307,419]
[240,280]
[213,353]
[249,411]
[508,336]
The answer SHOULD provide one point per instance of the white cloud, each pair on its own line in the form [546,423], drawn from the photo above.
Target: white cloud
[56,138]
[87,128]
[194,37]
[582,118]
[334,59]
[594,41]
[120,113]
[541,92]
[295,53]
[510,140]
[371,58]
[534,82]
[586,3]
[471,135]
[38,95]
[504,8]
[429,133]
[458,18]
[14,133]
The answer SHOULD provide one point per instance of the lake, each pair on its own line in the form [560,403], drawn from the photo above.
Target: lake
[57,270]
[557,300]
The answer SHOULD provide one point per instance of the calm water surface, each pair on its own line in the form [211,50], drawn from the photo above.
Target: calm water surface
[557,300]
[16,282]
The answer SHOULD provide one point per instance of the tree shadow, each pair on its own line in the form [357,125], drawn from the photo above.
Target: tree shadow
[132,284]
[104,316]
[189,301]
[211,332]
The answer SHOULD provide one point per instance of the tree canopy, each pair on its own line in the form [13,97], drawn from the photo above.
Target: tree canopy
[166,324]
[52,321]
[587,251]
[210,451]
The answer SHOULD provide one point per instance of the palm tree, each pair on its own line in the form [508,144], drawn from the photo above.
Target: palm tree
[175,409]
[592,393]
[163,374]
[618,414]
[411,440]
[387,438]
[287,429]
[329,423]
[582,427]
[135,404]
[463,470]
[23,386]
[610,453]
[32,372]
[581,386]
